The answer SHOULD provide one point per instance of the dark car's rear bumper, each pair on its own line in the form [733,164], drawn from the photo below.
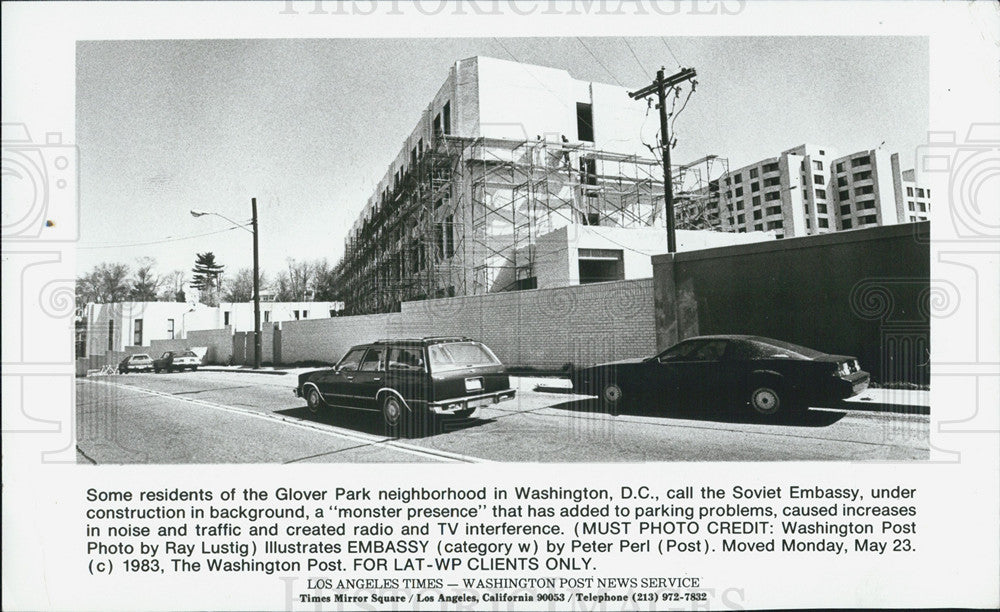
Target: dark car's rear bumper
[843,387]
[459,404]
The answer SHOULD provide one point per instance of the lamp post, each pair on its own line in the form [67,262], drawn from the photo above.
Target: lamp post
[256,274]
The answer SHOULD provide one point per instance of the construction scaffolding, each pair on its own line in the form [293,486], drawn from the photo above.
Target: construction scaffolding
[465,216]
[697,194]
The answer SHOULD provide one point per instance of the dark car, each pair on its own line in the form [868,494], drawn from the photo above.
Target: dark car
[139,362]
[769,376]
[176,360]
[411,382]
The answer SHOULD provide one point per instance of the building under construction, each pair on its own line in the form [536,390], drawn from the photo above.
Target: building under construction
[516,177]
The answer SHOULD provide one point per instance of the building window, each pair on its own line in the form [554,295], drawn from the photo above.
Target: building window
[738,178]
[821,208]
[824,223]
[771,182]
[741,219]
[805,194]
[860,161]
[756,200]
[774,195]
[739,191]
[267,316]
[844,195]
[601,265]
[840,167]
[305,314]
[909,191]
[296,313]
[869,220]
[754,186]
[922,206]
[821,193]
[860,176]
[225,318]
[772,167]
[863,190]
[753,173]
[111,335]
[845,210]
[446,117]
[775,225]
[584,122]
[170,329]
[137,332]
[739,204]
[818,179]
[867,204]
[758,228]
[773,210]
[818,164]
[757,215]
[808,223]
[846,223]
[920,192]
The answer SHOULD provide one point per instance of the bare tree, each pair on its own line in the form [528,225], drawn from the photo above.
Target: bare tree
[106,283]
[239,287]
[300,280]
[145,282]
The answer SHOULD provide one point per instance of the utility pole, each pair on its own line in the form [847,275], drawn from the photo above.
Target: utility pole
[659,87]
[256,289]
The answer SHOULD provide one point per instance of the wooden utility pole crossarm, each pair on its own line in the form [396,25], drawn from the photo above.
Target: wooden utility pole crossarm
[659,87]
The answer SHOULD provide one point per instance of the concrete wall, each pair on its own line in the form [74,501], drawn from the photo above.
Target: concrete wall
[543,328]
[861,293]
[218,341]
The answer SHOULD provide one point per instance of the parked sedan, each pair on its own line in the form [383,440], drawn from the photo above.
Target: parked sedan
[411,382]
[176,360]
[769,376]
[140,362]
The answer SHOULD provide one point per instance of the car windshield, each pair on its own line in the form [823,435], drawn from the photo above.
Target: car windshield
[458,355]
[140,356]
[776,349]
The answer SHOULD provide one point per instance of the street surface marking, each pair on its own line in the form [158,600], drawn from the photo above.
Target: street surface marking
[337,432]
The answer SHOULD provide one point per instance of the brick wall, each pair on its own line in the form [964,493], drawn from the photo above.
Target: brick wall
[218,341]
[543,328]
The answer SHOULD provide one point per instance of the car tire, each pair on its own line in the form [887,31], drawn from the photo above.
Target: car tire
[394,415]
[770,400]
[612,397]
[314,400]
[156,370]
[194,368]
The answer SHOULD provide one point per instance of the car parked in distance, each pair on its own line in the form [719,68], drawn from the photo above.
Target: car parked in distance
[139,362]
[770,377]
[176,360]
[411,382]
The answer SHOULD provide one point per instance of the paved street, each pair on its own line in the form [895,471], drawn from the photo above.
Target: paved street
[231,417]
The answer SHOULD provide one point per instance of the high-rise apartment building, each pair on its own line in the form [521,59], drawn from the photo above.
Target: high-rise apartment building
[812,189]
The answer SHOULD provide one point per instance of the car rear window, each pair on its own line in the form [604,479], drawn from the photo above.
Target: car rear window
[458,355]
[140,356]
[188,354]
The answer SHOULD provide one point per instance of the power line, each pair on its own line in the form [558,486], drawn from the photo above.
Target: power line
[643,68]
[131,244]
[671,52]
[598,60]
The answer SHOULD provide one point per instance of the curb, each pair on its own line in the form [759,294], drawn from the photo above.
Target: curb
[243,370]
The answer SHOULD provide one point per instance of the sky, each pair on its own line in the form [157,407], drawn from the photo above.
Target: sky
[309,126]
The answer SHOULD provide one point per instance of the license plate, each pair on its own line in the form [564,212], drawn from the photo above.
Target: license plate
[479,403]
[473,384]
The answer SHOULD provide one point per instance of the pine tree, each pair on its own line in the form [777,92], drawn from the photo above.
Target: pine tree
[206,277]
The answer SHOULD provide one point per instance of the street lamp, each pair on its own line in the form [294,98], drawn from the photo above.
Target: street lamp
[256,274]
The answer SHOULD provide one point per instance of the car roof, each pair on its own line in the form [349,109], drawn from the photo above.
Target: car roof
[419,341]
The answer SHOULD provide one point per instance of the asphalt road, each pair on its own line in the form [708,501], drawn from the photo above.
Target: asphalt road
[230,417]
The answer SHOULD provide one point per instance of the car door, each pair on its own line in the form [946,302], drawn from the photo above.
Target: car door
[662,374]
[700,373]
[335,384]
[368,379]
[406,372]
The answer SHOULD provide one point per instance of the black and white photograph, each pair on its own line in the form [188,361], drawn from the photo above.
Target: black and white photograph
[520,283]
[500,305]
